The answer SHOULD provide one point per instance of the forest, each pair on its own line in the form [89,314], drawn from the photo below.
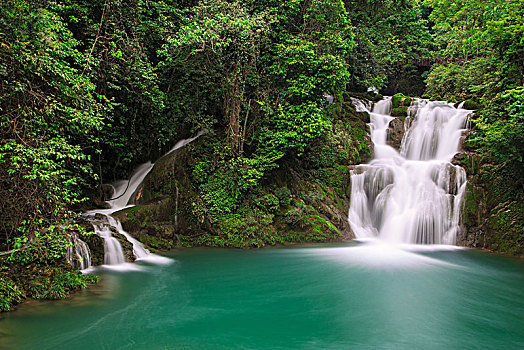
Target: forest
[91,89]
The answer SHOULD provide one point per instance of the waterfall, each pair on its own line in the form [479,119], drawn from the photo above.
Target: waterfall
[124,189]
[113,252]
[104,224]
[78,255]
[415,195]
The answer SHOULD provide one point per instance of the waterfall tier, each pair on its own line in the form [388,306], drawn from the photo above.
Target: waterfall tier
[78,254]
[413,196]
[104,224]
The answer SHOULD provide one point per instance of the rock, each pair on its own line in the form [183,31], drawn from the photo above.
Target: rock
[100,217]
[101,204]
[399,100]
[401,112]
[493,213]
[96,248]
[127,246]
[378,97]
[107,192]
[309,195]
[396,132]
[458,158]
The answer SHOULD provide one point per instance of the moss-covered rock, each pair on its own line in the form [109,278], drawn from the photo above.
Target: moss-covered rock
[306,199]
[378,97]
[493,213]
[151,223]
[401,112]
[127,247]
[96,248]
[396,100]
[93,241]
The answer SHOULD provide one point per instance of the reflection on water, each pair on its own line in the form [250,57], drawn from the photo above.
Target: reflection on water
[358,295]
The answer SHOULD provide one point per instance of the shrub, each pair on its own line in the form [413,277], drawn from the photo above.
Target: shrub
[268,203]
[10,294]
[400,112]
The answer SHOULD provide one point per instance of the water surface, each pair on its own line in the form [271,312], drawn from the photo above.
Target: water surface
[359,295]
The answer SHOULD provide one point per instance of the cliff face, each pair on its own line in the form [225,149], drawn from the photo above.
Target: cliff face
[306,199]
[493,214]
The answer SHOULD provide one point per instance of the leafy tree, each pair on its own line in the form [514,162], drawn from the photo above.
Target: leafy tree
[226,38]
[394,46]
[49,117]
[481,47]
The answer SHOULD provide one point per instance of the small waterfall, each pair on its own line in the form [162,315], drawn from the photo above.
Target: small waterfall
[113,253]
[78,255]
[124,190]
[139,250]
[104,224]
[413,196]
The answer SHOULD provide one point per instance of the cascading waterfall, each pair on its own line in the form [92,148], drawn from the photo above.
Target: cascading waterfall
[104,224]
[78,255]
[113,252]
[413,196]
[125,189]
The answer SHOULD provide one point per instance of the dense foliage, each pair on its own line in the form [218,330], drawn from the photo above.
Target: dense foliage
[49,118]
[394,48]
[480,57]
[480,60]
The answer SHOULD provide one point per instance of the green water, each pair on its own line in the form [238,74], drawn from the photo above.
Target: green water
[361,296]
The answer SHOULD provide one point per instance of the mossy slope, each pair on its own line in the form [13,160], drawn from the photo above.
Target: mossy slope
[306,199]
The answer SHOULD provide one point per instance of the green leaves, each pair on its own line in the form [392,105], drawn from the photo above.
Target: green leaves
[482,44]
[48,122]
[502,126]
[10,294]
[392,37]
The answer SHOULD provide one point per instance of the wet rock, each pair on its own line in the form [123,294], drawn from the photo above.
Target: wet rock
[458,158]
[99,217]
[396,132]
[101,204]
[127,246]
[96,248]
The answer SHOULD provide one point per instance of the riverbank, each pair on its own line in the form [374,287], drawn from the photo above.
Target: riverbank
[23,278]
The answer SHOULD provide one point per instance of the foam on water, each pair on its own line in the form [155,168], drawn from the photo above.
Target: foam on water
[377,254]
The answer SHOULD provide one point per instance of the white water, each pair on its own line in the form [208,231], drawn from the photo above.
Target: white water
[104,224]
[78,253]
[413,196]
[124,189]
[113,253]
